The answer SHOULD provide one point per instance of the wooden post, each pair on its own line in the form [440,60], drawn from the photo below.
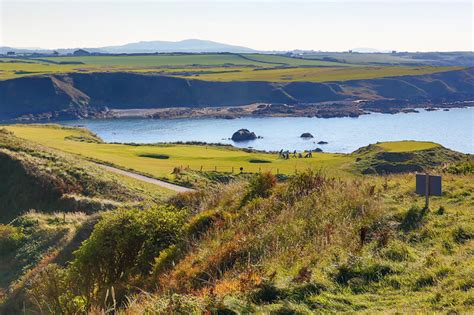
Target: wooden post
[427,190]
[215,168]
[278,171]
[232,170]
[201,168]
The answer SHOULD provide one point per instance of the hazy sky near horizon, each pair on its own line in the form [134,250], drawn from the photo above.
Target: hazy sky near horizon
[331,25]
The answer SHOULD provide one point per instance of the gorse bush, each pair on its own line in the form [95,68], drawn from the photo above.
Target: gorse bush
[124,243]
[259,186]
[54,293]
[122,246]
[10,238]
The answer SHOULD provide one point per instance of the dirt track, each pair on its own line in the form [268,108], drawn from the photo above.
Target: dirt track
[147,179]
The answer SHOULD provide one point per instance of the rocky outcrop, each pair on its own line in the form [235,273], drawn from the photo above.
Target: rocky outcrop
[243,135]
[306,135]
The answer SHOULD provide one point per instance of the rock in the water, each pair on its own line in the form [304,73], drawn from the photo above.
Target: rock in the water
[306,135]
[243,135]
[322,142]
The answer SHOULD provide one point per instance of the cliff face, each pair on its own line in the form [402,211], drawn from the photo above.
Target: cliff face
[78,95]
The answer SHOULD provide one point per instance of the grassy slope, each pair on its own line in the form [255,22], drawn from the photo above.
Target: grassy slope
[38,170]
[380,158]
[67,194]
[274,255]
[276,248]
[194,156]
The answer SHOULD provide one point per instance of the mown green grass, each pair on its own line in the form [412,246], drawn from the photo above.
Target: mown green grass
[211,158]
[407,146]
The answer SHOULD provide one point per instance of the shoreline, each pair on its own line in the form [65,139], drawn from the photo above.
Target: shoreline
[338,109]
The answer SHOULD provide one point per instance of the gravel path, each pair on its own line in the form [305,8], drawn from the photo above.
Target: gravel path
[146,179]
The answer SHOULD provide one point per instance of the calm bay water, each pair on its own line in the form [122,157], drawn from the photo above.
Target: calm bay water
[453,129]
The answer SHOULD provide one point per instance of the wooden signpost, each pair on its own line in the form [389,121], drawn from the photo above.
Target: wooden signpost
[427,185]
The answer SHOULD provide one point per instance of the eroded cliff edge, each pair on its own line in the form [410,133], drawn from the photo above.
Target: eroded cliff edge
[77,95]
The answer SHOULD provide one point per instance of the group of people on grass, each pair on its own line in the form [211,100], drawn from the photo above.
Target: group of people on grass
[286,154]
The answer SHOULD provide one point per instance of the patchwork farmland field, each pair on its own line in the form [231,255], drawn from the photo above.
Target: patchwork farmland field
[211,67]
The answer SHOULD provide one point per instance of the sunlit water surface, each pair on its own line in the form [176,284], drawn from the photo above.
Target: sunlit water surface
[453,129]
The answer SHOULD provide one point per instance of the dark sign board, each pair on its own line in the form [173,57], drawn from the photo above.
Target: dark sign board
[434,185]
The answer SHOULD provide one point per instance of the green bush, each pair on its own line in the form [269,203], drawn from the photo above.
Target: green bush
[259,186]
[10,238]
[52,292]
[124,243]
[201,222]
[462,168]
[167,259]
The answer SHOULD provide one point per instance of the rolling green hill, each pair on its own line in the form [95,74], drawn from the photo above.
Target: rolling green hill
[161,159]
[329,240]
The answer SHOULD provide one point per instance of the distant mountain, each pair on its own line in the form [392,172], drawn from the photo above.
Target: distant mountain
[188,45]
[185,46]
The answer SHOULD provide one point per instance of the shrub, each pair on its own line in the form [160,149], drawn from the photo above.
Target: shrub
[201,222]
[304,183]
[52,292]
[10,238]
[259,186]
[167,259]
[125,243]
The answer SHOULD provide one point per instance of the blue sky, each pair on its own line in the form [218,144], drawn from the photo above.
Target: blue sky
[267,25]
